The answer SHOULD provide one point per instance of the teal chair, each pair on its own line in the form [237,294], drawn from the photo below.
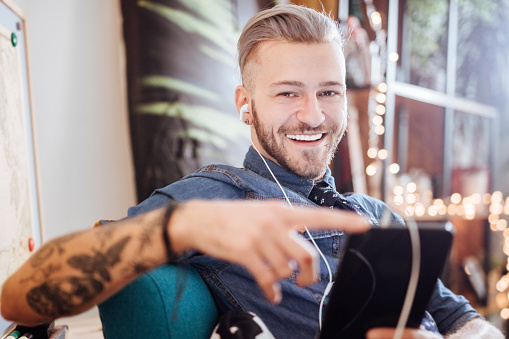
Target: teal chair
[148,307]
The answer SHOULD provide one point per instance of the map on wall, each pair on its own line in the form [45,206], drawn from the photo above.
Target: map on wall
[20,222]
[15,201]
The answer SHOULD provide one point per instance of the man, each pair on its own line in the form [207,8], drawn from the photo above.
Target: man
[293,74]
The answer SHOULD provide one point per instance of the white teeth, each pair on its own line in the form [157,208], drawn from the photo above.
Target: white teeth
[305,137]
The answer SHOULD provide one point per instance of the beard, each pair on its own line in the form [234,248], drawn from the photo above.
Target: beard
[308,164]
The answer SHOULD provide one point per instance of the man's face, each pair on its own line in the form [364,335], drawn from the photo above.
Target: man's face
[298,103]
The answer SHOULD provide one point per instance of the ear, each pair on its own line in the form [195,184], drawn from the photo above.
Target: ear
[242,98]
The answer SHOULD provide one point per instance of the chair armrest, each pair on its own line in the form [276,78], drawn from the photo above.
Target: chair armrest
[148,308]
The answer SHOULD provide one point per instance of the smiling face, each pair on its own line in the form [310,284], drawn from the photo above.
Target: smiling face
[297,101]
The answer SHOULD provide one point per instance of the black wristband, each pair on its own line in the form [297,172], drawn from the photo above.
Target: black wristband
[170,208]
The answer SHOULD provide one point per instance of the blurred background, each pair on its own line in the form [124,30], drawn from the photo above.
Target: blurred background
[129,96]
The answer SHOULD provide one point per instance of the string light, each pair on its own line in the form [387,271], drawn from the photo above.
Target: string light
[377,96]
[410,197]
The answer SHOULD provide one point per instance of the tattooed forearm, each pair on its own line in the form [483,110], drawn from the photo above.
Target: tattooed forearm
[70,274]
[57,297]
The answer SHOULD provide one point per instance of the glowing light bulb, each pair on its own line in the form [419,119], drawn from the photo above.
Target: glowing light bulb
[376,18]
[411,187]
[394,169]
[383,154]
[496,208]
[379,130]
[501,224]
[380,109]
[372,152]
[420,210]
[380,98]
[438,203]
[398,200]
[496,197]
[377,120]
[398,190]
[382,87]
[502,285]
[493,218]
[371,170]
[394,56]
[456,198]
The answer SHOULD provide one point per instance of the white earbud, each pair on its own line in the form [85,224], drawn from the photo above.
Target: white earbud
[243,110]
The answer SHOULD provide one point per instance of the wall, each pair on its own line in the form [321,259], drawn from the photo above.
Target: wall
[76,59]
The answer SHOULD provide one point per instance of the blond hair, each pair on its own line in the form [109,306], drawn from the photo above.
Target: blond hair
[290,23]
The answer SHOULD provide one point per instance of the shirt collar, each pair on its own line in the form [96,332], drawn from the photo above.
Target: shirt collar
[254,162]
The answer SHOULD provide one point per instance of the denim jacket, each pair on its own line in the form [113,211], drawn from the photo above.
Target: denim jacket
[233,287]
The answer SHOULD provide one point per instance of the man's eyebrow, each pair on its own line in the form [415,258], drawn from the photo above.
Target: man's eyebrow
[332,83]
[287,83]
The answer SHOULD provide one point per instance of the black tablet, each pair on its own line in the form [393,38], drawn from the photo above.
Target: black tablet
[373,275]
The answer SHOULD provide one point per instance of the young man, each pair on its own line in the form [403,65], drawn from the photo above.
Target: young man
[293,74]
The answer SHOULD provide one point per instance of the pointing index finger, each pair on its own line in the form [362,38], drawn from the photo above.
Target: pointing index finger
[324,218]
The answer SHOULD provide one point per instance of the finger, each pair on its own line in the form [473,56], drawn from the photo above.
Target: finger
[306,257]
[264,277]
[319,218]
[276,256]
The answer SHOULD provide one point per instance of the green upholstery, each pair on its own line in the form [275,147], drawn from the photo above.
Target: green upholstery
[146,308]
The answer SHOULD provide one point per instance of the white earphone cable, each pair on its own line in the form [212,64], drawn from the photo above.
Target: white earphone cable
[329,285]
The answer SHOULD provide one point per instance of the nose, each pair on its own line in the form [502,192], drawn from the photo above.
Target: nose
[311,113]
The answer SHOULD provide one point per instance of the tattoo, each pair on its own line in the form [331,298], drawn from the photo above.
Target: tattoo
[146,235]
[138,268]
[43,273]
[105,234]
[99,262]
[58,297]
[44,253]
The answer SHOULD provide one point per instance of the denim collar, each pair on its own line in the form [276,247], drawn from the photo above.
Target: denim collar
[254,162]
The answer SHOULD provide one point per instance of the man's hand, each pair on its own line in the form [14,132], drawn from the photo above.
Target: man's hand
[409,333]
[261,236]
[474,329]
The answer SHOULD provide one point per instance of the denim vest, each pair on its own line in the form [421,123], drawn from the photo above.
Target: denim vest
[233,286]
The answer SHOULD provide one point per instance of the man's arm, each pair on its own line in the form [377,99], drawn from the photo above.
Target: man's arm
[71,274]
[473,329]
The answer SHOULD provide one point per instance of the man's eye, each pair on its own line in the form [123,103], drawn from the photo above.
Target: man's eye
[329,93]
[287,94]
